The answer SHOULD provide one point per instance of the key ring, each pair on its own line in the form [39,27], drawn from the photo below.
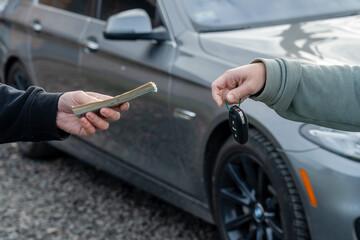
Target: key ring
[228,106]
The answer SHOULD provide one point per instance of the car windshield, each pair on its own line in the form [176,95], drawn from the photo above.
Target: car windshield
[215,15]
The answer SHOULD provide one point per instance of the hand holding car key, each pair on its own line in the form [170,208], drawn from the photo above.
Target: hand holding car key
[221,87]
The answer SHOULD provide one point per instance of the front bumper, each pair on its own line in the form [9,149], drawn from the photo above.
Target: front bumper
[336,184]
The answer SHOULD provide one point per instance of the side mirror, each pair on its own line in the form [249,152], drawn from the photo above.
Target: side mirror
[131,25]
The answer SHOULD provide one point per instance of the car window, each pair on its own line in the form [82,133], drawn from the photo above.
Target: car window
[76,6]
[111,7]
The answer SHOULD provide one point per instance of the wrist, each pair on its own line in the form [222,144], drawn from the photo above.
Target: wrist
[260,77]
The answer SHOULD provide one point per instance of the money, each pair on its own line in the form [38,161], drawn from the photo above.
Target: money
[81,110]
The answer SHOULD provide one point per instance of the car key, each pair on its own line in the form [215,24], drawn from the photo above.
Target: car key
[238,124]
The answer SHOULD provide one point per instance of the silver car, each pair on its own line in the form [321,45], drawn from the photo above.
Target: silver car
[289,181]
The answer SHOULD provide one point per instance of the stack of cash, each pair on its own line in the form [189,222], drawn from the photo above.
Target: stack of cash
[81,110]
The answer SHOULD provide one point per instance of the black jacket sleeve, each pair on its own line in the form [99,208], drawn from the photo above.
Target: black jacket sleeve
[28,115]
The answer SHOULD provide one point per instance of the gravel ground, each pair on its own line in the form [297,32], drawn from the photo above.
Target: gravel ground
[63,198]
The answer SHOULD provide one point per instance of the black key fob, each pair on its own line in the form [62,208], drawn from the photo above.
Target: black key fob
[239,124]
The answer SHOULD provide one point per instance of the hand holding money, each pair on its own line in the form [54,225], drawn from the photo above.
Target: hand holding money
[83,113]
[67,121]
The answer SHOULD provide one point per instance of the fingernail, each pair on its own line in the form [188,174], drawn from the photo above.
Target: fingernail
[105,111]
[84,121]
[91,116]
[231,98]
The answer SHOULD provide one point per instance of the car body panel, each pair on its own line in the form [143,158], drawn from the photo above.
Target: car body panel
[335,181]
[140,140]
[318,42]
[138,178]
[14,32]
[55,49]
[160,145]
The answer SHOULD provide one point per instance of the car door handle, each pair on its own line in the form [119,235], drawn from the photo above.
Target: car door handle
[184,114]
[92,45]
[37,26]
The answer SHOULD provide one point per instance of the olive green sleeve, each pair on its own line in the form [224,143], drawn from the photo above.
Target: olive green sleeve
[324,95]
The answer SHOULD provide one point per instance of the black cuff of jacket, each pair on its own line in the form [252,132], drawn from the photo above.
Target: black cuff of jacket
[42,118]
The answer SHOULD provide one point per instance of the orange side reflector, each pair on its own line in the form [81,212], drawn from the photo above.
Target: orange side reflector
[308,187]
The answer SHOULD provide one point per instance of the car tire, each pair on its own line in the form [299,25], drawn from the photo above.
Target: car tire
[17,77]
[254,195]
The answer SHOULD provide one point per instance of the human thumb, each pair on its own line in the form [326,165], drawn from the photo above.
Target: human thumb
[241,92]
[236,94]
[80,97]
[69,99]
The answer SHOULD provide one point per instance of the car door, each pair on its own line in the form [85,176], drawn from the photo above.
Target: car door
[57,26]
[144,137]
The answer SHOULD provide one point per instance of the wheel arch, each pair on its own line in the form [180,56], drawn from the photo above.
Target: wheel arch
[261,148]
[11,60]
[215,141]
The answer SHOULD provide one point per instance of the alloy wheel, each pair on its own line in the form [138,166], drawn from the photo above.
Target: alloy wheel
[249,205]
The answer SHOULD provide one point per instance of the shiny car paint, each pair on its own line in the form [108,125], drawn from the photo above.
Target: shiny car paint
[166,144]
